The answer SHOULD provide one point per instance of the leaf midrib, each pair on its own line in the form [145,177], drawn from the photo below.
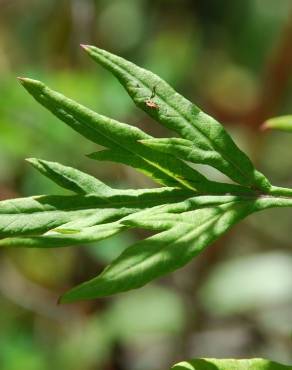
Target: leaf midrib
[112,204]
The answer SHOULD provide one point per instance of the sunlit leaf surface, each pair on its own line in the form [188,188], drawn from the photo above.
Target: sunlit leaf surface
[186,214]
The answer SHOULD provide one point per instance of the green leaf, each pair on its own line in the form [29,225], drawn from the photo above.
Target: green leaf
[230,364]
[185,215]
[184,230]
[117,136]
[283,123]
[66,236]
[184,174]
[40,214]
[184,149]
[182,235]
[70,178]
[183,117]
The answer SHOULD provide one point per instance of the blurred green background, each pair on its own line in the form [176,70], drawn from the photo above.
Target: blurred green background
[233,58]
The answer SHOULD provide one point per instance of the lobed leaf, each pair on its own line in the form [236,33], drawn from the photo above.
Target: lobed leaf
[40,214]
[182,235]
[186,215]
[180,115]
[118,137]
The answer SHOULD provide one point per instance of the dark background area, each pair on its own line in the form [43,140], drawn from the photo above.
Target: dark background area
[233,58]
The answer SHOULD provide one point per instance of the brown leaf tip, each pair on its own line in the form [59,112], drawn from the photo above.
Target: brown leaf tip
[264,126]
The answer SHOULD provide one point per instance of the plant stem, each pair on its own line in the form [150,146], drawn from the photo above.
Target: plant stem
[276,190]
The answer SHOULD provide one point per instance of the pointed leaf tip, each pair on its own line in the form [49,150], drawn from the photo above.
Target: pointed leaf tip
[31,160]
[283,123]
[89,49]
[28,81]
[85,47]
[34,161]
[31,84]
[63,299]
[21,79]
[264,126]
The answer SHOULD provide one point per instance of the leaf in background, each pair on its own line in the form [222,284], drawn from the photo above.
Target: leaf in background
[230,364]
[267,279]
[283,123]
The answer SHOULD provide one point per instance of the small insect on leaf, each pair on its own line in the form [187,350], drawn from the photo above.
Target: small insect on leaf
[149,102]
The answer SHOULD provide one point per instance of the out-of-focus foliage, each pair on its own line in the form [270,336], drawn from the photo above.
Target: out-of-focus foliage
[283,123]
[221,364]
[236,286]
[219,53]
